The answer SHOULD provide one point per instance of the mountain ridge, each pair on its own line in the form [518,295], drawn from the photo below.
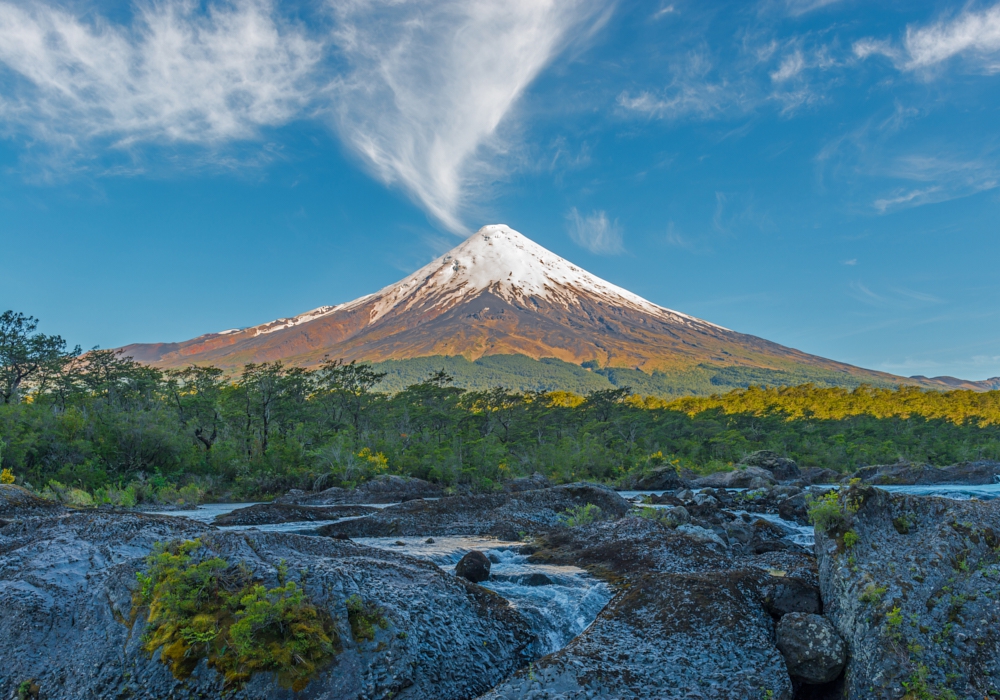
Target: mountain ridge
[499,293]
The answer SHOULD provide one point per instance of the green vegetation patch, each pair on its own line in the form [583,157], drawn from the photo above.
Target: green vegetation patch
[199,607]
[581,515]
[365,617]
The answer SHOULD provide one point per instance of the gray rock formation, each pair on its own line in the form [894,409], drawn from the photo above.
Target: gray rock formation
[907,474]
[739,478]
[911,584]
[660,479]
[527,483]
[387,488]
[18,502]
[782,468]
[273,513]
[689,620]
[66,586]
[506,516]
[812,648]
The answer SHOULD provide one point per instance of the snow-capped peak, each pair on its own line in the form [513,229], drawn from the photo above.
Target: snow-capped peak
[495,258]
[511,266]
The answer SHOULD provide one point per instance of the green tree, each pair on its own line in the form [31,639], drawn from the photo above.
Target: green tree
[27,356]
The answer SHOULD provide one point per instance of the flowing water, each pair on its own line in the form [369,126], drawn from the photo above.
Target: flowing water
[558,601]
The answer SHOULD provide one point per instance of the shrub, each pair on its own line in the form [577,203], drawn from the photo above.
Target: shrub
[825,512]
[6,476]
[850,538]
[201,608]
[581,515]
[872,593]
[364,618]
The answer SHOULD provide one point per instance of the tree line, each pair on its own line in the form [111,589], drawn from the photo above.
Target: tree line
[100,426]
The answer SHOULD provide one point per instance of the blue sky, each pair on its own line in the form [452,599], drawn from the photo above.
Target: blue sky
[820,173]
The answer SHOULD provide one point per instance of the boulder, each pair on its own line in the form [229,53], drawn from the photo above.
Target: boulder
[660,479]
[19,502]
[387,488]
[678,515]
[274,513]
[782,468]
[474,566]
[739,478]
[910,583]
[505,516]
[526,483]
[795,509]
[67,583]
[813,650]
[784,595]
[815,475]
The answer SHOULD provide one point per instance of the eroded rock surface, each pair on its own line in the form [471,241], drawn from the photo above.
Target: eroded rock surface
[689,619]
[387,488]
[907,474]
[66,584]
[17,502]
[273,513]
[505,516]
[912,584]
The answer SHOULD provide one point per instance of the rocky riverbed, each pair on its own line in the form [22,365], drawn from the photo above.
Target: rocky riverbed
[688,592]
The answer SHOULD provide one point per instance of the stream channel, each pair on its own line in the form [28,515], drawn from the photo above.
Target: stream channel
[559,601]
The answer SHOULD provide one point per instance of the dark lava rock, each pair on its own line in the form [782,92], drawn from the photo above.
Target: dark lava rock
[795,509]
[535,579]
[782,468]
[474,566]
[907,474]
[813,650]
[670,637]
[527,483]
[505,516]
[739,478]
[273,513]
[914,592]
[387,488]
[786,595]
[18,502]
[660,479]
[815,475]
[66,586]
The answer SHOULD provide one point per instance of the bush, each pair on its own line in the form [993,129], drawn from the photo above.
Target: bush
[825,511]
[581,515]
[6,476]
[364,618]
[201,608]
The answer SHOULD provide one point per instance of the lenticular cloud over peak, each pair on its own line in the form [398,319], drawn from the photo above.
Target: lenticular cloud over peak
[430,82]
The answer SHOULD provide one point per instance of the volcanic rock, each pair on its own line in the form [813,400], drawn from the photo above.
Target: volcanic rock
[813,650]
[506,516]
[474,566]
[913,591]
[66,586]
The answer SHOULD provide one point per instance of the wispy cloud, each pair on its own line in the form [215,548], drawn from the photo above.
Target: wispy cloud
[974,35]
[694,91]
[176,74]
[852,262]
[430,82]
[801,7]
[418,88]
[948,178]
[595,232]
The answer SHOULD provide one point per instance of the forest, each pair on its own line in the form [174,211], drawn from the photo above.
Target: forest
[98,427]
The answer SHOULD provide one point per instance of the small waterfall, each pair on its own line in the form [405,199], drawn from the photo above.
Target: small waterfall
[559,602]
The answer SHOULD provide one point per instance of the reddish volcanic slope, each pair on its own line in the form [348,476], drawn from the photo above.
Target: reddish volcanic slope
[498,293]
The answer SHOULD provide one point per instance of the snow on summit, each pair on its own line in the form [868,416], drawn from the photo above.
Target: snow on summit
[498,259]
[510,265]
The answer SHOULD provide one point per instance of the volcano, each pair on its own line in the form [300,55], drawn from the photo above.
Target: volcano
[499,293]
